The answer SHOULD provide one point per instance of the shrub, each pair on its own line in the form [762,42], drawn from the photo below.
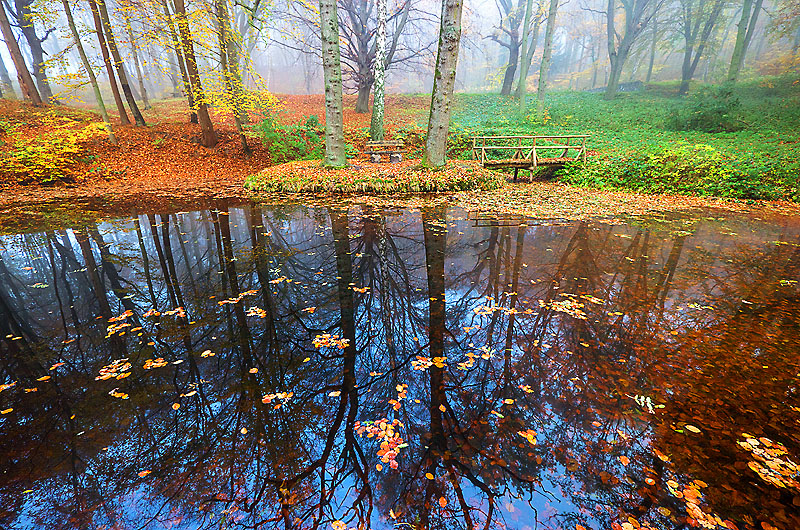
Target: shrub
[711,109]
[49,157]
[291,142]
[691,169]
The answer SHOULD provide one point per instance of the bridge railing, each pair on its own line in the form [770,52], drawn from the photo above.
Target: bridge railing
[529,150]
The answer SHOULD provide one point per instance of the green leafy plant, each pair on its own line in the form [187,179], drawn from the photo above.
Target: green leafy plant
[291,142]
[711,109]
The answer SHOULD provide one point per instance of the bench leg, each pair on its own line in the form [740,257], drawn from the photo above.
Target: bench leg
[375,158]
[395,158]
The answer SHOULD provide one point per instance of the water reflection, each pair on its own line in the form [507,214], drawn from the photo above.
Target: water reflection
[294,367]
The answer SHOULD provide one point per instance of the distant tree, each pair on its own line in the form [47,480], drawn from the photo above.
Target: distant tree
[119,65]
[619,46]
[444,79]
[135,53]
[507,36]
[209,137]
[233,86]
[26,83]
[332,71]
[544,68]
[5,82]
[89,72]
[696,22]
[528,46]
[25,21]
[744,34]
[358,29]
[101,38]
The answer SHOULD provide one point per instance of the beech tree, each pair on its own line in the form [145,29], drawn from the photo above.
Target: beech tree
[209,137]
[619,46]
[89,72]
[744,34]
[101,38]
[119,66]
[332,72]
[26,24]
[5,82]
[544,68]
[522,87]
[507,36]
[26,84]
[696,23]
[444,79]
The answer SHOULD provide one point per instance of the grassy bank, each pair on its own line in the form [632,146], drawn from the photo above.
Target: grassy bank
[742,143]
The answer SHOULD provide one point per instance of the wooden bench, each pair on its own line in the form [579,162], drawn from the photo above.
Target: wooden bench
[394,149]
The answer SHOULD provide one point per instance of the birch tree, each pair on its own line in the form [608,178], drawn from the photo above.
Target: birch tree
[376,126]
[444,79]
[332,72]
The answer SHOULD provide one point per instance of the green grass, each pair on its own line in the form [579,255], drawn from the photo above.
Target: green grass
[637,147]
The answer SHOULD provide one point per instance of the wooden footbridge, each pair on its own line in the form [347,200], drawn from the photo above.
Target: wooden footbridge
[528,152]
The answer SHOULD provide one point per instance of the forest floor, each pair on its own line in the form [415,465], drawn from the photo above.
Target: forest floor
[164,164]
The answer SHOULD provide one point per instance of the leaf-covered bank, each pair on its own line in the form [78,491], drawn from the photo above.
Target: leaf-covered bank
[364,177]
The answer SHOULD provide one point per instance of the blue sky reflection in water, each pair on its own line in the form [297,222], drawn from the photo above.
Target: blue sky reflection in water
[292,367]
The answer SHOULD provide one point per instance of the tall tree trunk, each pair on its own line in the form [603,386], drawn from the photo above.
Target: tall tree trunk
[444,79]
[376,125]
[118,64]
[224,36]
[691,33]
[26,24]
[176,45]
[209,137]
[364,88]
[89,72]
[744,34]
[136,64]
[5,81]
[513,62]
[332,70]
[546,54]
[101,38]
[522,88]
[652,49]
[26,83]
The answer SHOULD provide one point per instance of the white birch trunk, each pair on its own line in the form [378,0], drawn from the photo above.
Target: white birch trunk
[376,126]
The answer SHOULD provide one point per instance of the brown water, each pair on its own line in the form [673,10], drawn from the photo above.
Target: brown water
[292,367]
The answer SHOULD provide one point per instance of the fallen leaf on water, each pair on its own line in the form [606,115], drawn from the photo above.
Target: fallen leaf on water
[429,476]
[692,428]
[176,406]
[144,473]
[625,460]
[5,411]
[442,502]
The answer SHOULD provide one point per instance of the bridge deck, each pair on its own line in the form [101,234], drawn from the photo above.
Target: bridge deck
[528,152]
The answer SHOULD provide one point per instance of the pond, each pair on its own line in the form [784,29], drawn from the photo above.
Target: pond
[293,366]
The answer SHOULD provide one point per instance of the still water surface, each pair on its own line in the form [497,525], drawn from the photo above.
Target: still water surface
[294,367]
